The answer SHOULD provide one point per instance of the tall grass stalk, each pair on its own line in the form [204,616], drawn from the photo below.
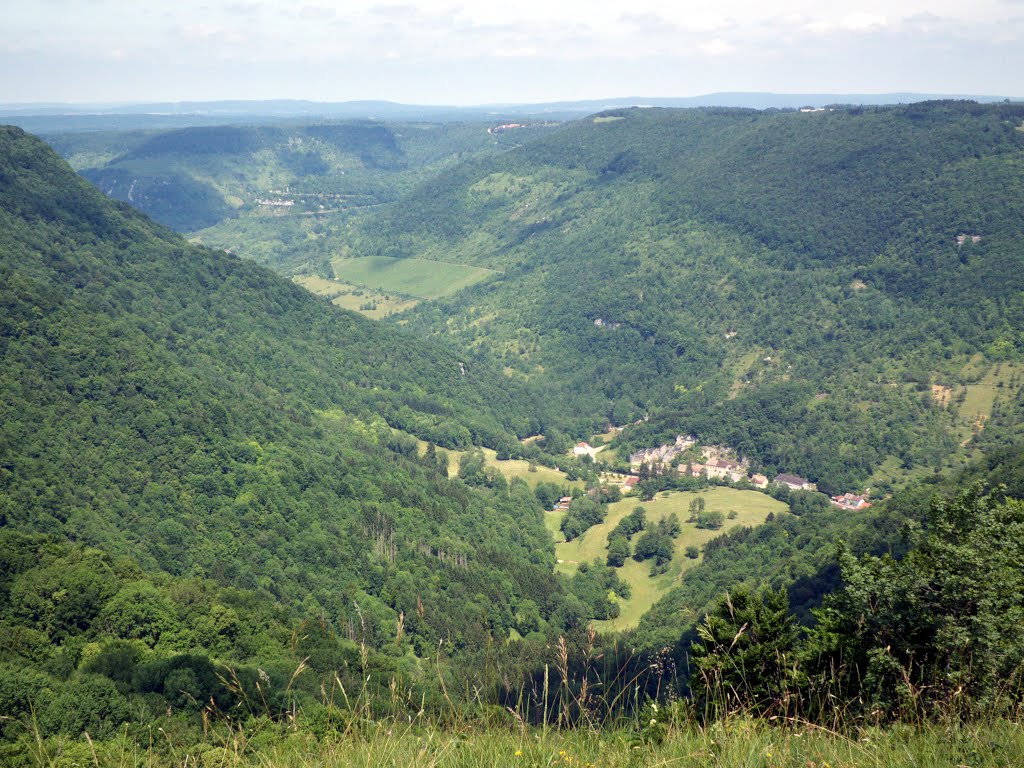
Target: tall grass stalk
[588,730]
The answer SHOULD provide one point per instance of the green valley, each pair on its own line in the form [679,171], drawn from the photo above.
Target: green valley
[199,467]
[297,475]
[667,266]
[273,190]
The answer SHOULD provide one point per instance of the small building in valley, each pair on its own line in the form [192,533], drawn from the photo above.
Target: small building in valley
[851,502]
[726,470]
[795,482]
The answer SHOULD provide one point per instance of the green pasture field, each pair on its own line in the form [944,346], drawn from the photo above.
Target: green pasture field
[511,469]
[981,396]
[355,298]
[420,278]
[751,507]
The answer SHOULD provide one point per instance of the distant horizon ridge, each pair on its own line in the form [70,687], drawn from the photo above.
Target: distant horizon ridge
[883,97]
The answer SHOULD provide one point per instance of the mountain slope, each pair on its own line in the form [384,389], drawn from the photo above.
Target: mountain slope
[769,280]
[272,192]
[210,419]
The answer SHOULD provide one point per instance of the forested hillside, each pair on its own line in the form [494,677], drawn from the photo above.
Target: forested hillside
[231,509]
[202,463]
[804,287]
[760,279]
[274,193]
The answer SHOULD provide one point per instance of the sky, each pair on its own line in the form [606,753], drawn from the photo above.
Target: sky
[463,52]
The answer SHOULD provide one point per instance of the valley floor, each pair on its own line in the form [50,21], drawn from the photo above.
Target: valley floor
[748,508]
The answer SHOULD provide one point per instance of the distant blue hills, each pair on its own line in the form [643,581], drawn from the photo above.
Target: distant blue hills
[57,117]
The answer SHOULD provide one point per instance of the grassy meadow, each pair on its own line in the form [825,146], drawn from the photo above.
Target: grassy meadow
[373,304]
[421,278]
[979,398]
[518,468]
[751,508]
[510,468]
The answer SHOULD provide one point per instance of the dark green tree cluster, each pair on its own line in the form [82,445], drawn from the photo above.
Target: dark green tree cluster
[932,634]
[583,513]
[744,657]
[631,524]
[657,543]
[619,548]
[710,519]
[597,586]
[87,638]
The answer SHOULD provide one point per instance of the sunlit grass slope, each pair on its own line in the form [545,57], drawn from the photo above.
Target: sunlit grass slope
[751,508]
[412,277]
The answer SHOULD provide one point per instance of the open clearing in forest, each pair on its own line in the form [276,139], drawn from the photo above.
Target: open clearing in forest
[751,507]
[421,278]
[510,468]
[1001,382]
[981,396]
[373,304]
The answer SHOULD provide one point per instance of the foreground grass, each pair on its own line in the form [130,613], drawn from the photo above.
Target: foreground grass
[740,741]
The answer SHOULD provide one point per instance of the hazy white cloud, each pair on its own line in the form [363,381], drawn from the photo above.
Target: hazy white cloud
[525,52]
[860,22]
[242,8]
[317,12]
[200,31]
[717,47]
[479,50]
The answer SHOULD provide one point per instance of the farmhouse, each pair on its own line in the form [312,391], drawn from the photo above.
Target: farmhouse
[961,239]
[630,483]
[795,482]
[582,449]
[851,502]
[725,469]
[759,481]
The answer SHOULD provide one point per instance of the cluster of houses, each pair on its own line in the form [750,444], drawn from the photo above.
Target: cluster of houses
[717,463]
[663,455]
[505,127]
[850,502]
[734,472]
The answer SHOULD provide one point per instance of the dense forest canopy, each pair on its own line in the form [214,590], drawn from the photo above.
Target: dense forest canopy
[179,423]
[280,193]
[767,280]
[213,483]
